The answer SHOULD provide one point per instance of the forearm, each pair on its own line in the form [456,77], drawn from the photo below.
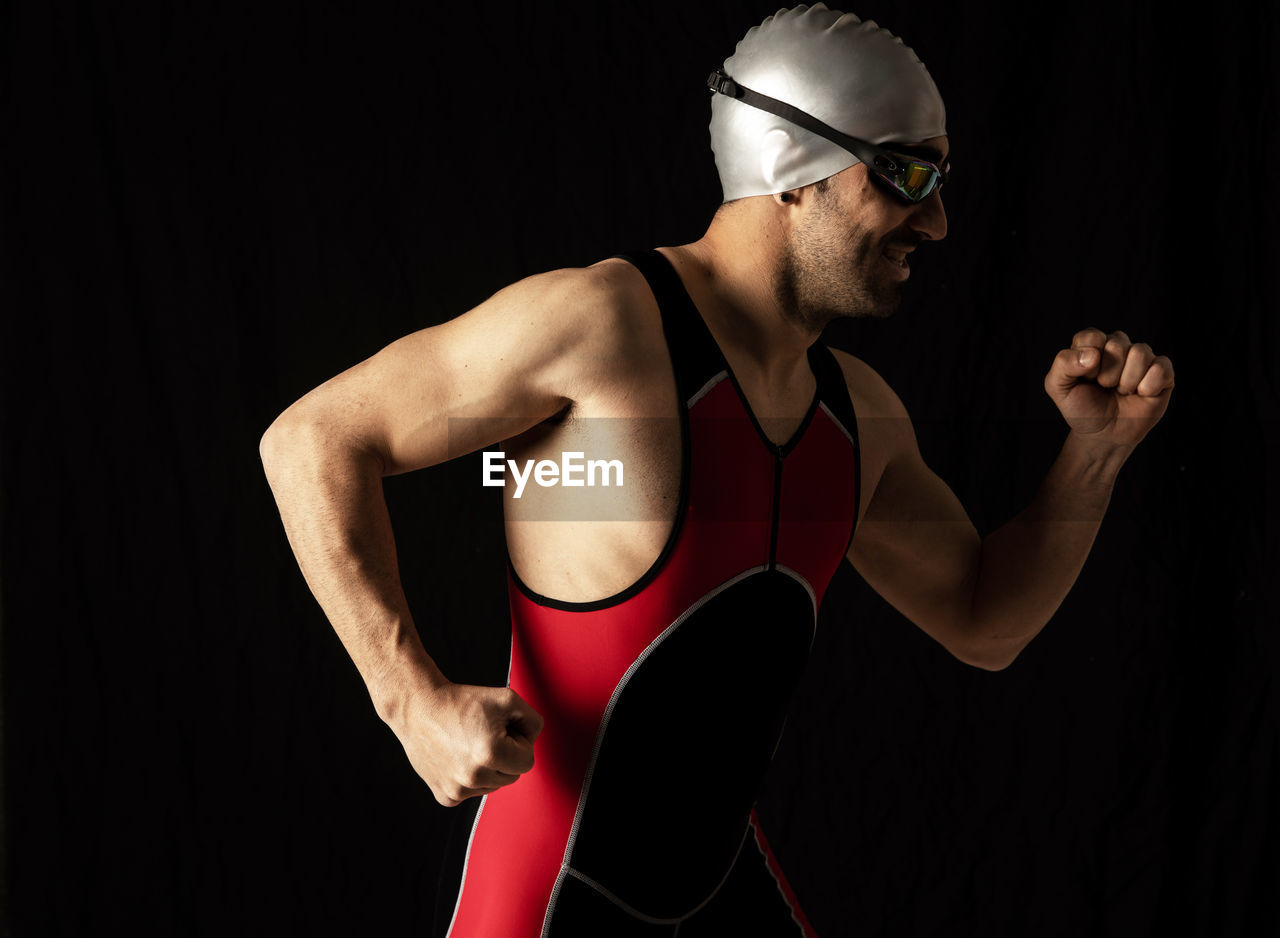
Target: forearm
[1027,567]
[335,515]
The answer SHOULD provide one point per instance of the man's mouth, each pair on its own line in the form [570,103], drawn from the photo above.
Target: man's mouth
[898,257]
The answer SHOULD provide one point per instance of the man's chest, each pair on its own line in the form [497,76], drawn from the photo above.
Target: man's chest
[618,474]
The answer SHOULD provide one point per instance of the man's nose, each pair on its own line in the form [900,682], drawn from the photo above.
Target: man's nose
[929,220]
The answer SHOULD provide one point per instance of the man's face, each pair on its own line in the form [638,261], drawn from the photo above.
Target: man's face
[847,252]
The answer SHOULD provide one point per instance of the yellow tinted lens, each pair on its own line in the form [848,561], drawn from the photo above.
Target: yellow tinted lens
[916,180]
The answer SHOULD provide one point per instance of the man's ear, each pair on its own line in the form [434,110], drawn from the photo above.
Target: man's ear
[778,156]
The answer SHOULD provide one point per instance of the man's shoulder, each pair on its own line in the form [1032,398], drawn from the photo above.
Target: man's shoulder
[606,299]
[870,393]
[620,289]
[599,324]
[585,313]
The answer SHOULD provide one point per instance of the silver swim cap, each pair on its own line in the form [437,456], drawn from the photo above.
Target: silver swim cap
[848,73]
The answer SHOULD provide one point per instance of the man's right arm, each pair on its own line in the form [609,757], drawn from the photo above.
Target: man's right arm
[521,356]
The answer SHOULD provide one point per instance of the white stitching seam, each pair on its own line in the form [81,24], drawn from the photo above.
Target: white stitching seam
[467,859]
[702,392]
[840,426]
[664,921]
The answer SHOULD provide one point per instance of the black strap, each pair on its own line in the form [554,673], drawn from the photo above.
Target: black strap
[832,388]
[835,395]
[695,357]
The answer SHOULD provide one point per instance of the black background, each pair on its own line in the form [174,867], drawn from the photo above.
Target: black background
[210,210]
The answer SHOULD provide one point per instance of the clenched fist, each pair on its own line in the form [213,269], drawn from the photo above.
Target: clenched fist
[465,740]
[1110,390]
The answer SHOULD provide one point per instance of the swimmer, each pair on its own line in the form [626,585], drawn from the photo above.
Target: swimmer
[655,644]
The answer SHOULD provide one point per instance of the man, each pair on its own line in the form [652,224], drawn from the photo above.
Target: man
[657,635]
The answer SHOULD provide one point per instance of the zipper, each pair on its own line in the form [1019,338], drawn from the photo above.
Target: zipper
[777,506]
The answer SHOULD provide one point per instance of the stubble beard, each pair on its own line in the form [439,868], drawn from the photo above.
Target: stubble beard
[814,285]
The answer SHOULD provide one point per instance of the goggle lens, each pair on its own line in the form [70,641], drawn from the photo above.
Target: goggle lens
[914,180]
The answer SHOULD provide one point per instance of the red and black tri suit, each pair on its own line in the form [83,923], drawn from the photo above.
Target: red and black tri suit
[664,703]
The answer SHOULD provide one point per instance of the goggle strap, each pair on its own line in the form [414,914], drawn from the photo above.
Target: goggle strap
[721,83]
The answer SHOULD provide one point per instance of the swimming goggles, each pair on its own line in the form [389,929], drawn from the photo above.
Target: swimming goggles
[910,178]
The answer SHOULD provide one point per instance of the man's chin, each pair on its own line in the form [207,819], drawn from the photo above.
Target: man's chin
[882,304]
[882,309]
[886,299]
[886,308]
[874,300]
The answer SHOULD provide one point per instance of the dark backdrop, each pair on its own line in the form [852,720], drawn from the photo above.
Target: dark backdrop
[209,211]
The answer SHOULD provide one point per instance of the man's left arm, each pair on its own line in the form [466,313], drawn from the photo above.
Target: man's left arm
[985,599]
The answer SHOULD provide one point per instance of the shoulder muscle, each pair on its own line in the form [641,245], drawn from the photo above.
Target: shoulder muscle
[525,353]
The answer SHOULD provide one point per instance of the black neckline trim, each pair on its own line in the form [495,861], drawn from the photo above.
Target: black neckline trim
[778,449]
[781,449]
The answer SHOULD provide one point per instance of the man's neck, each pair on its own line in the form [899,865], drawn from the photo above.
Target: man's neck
[730,277]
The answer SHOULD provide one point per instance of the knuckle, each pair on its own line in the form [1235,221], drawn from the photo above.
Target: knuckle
[482,752]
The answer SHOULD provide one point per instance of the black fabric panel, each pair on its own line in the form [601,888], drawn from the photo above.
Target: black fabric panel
[694,354]
[832,388]
[835,394]
[687,744]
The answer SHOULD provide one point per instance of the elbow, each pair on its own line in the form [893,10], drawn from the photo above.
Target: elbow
[988,654]
[987,662]
[300,442]
[983,642]
[282,444]
[979,645]
[268,444]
